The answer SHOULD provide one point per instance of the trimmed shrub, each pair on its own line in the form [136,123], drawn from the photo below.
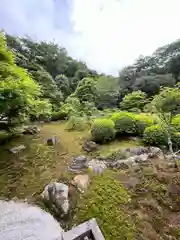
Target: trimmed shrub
[155,135]
[143,121]
[124,123]
[102,130]
[176,122]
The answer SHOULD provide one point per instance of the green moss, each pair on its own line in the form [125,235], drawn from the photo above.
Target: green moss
[106,200]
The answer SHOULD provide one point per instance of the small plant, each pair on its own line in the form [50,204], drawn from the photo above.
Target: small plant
[124,123]
[102,130]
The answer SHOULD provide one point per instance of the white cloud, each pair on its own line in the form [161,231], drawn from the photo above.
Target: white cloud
[107,34]
[113,33]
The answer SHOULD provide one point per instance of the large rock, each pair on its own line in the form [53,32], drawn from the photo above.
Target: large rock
[81,182]
[21,221]
[155,152]
[97,166]
[141,158]
[31,130]
[56,194]
[90,146]
[17,149]
[138,150]
[79,164]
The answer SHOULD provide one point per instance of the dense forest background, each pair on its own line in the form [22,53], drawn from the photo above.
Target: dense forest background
[67,85]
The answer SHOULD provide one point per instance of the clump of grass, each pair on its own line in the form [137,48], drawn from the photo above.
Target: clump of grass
[105,200]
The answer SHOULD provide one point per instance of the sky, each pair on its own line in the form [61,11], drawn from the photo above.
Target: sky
[106,34]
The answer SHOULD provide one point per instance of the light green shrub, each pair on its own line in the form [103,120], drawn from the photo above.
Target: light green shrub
[102,130]
[78,123]
[176,122]
[155,135]
[143,121]
[124,122]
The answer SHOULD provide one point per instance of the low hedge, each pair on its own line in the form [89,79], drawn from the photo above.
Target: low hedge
[143,121]
[124,122]
[102,130]
[155,135]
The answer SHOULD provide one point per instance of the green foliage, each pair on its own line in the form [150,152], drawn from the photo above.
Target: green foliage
[168,101]
[55,116]
[63,84]
[105,200]
[155,135]
[124,123]
[19,94]
[48,85]
[136,99]
[78,123]
[42,109]
[107,89]
[86,90]
[102,130]
[176,139]
[5,55]
[151,85]
[88,108]
[176,122]
[143,121]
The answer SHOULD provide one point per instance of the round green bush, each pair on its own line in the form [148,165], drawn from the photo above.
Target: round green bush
[142,121]
[176,122]
[124,123]
[154,135]
[102,130]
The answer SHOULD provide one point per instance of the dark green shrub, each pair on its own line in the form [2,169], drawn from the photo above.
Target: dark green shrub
[176,139]
[56,116]
[124,123]
[155,135]
[102,130]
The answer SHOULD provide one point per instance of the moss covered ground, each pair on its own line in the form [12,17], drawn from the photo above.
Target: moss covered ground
[140,203]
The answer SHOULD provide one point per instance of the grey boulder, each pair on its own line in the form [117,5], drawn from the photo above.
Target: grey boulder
[56,194]
[90,146]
